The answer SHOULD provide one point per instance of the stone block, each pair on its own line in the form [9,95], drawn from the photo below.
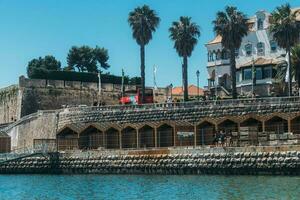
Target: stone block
[73,84]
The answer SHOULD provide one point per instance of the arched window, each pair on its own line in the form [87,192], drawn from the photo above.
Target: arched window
[260,48]
[248,49]
[208,56]
[260,24]
[218,55]
[213,56]
[273,45]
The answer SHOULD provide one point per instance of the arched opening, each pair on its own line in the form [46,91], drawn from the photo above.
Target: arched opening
[67,139]
[165,136]
[146,137]
[129,139]
[91,138]
[295,125]
[228,126]
[276,125]
[253,124]
[184,135]
[205,133]
[112,139]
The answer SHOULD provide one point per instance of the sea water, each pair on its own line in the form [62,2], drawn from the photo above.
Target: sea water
[173,187]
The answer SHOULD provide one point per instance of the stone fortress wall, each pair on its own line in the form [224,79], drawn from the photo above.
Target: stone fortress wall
[32,95]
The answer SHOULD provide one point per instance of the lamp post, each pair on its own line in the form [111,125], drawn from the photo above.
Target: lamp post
[198,74]
[171,88]
[100,87]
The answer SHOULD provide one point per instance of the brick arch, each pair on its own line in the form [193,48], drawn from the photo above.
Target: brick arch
[145,124]
[67,138]
[209,120]
[112,126]
[112,139]
[233,119]
[276,124]
[129,137]
[169,123]
[165,135]
[228,125]
[91,137]
[253,123]
[205,132]
[270,116]
[146,136]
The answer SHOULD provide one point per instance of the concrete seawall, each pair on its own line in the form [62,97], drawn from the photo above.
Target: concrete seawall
[162,162]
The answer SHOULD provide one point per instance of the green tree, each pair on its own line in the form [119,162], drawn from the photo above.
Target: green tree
[87,59]
[184,33]
[40,65]
[232,26]
[143,22]
[285,30]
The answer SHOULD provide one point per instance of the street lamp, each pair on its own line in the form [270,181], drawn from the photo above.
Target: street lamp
[171,88]
[198,74]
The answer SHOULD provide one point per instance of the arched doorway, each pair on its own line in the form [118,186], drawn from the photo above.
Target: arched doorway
[277,125]
[112,139]
[67,139]
[165,136]
[91,138]
[205,133]
[253,124]
[295,125]
[146,137]
[129,139]
[184,135]
[228,126]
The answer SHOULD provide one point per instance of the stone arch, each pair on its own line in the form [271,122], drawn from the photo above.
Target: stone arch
[146,136]
[295,125]
[205,132]
[276,124]
[228,125]
[129,137]
[252,123]
[112,139]
[165,135]
[91,138]
[67,138]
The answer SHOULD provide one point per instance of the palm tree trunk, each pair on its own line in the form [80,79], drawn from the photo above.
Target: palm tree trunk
[185,79]
[289,71]
[233,73]
[142,51]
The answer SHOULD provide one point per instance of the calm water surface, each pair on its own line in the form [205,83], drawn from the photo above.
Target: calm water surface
[147,187]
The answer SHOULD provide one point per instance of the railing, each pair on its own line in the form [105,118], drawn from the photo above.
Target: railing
[191,104]
[42,149]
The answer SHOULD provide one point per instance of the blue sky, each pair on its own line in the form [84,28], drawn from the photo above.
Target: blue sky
[33,28]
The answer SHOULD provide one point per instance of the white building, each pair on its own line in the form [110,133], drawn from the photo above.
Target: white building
[257,49]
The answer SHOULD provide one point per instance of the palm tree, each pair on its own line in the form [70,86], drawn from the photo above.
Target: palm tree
[285,31]
[184,33]
[143,22]
[232,26]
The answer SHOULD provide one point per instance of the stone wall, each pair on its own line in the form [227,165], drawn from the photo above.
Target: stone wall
[193,113]
[231,162]
[9,104]
[41,125]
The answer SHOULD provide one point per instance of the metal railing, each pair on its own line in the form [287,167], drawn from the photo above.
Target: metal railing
[191,104]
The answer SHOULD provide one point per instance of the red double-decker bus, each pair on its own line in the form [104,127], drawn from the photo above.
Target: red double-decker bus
[135,97]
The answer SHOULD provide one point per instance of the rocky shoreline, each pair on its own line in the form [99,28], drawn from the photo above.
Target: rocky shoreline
[252,163]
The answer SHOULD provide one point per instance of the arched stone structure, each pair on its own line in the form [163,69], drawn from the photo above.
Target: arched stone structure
[184,134]
[295,125]
[205,133]
[165,136]
[129,137]
[228,126]
[67,139]
[252,122]
[91,138]
[277,125]
[112,138]
[146,136]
